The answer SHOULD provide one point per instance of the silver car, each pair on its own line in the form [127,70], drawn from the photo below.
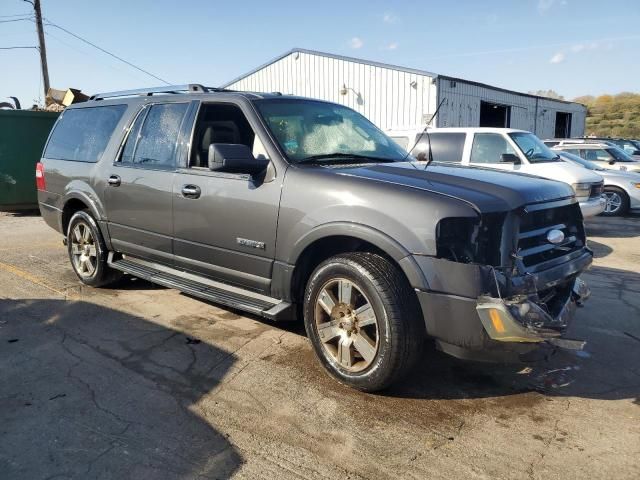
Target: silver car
[621,189]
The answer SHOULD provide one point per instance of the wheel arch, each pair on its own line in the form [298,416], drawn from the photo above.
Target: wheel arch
[324,242]
[76,201]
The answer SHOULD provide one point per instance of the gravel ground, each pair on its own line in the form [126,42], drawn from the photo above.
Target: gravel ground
[139,381]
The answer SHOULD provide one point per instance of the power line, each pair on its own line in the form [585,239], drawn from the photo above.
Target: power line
[16,15]
[17,20]
[15,48]
[49,23]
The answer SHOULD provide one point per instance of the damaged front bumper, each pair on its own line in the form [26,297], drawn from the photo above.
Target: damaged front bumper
[522,319]
[480,313]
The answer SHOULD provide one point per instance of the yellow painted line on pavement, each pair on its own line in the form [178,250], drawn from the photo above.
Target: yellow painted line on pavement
[41,245]
[27,276]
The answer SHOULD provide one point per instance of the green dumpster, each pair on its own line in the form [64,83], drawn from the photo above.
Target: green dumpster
[23,134]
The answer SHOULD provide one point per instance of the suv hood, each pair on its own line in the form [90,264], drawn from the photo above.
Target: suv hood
[486,189]
[563,171]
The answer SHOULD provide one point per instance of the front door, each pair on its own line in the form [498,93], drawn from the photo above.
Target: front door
[487,150]
[138,195]
[225,223]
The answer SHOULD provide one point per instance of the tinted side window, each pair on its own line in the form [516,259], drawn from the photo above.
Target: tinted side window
[153,137]
[446,147]
[488,148]
[83,134]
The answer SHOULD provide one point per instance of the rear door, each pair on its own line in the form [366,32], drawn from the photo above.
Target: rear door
[225,223]
[138,194]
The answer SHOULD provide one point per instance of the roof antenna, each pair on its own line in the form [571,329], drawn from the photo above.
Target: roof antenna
[425,131]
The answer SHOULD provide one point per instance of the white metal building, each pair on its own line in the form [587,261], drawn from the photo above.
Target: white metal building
[392,96]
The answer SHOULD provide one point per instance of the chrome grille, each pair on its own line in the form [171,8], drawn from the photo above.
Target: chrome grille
[534,250]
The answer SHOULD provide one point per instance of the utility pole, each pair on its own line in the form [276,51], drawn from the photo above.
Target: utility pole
[43,49]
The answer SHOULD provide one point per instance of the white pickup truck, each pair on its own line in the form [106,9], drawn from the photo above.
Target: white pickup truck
[504,149]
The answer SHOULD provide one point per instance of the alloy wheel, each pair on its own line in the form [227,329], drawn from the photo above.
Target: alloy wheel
[83,250]
[614,202]
[347,325]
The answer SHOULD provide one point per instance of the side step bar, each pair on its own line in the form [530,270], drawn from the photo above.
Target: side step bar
[230,296]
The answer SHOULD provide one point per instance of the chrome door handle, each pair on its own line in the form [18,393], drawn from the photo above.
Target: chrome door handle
[114,181]
[191,191]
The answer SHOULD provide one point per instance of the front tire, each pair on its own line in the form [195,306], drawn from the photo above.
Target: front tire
[363,320]
[87,251]
[617,202]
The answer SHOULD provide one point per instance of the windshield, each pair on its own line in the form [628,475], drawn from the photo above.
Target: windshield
[576,159]
[533,148]
[620,155]
[312,131]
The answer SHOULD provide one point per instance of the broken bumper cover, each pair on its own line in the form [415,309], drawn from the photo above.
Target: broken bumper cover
[529,310]
[521,319]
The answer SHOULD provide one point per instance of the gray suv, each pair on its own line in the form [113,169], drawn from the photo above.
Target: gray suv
[292,208]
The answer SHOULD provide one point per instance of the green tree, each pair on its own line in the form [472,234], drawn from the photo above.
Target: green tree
[612,115]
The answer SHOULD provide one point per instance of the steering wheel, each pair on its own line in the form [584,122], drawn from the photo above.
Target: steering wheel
[528,153]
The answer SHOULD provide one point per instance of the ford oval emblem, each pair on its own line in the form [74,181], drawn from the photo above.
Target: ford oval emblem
[555,236]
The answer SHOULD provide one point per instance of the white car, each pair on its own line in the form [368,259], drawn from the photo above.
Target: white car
[621,189]
[602,154]
[504,149]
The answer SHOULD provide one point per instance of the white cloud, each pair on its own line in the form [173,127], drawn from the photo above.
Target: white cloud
[557,58]
[392,46]
[389,18]
[356,42]
[582,47]
[545,5]
[492,18]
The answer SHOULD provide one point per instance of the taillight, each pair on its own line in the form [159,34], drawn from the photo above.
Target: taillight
[40,183]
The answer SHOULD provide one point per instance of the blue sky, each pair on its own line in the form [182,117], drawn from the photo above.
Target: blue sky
[575,47]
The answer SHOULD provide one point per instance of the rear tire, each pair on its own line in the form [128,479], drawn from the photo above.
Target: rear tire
[617,202]
[87,251]
[363,320]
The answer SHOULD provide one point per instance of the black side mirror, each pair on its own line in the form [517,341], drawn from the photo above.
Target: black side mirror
[510,158]
[234,158]
[612,162]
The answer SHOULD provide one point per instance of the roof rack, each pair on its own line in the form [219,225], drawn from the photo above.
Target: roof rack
[188,88]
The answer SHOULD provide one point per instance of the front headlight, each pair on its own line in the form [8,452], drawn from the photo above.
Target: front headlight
[582,189]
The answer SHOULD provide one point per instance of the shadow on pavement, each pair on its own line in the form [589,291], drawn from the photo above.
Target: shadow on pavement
[608,368]
[613,227]
[91,392]
[600,250]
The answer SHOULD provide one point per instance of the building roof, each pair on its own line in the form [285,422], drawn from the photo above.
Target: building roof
[330,55]
[389,66]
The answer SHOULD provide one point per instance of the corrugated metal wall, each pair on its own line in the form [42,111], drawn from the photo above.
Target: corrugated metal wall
[394,97]
[386,96]
[462,108]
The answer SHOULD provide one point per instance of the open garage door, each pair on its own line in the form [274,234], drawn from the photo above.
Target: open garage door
[563,125]
[495,115]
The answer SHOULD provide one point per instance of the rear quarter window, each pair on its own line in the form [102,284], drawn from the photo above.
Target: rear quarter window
[446,147]
[82,134]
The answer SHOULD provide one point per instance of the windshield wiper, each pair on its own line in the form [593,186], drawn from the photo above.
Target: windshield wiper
[341,157]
